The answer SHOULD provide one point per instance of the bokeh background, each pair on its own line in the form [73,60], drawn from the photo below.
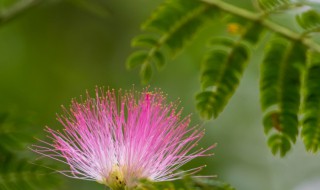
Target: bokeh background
[61,48]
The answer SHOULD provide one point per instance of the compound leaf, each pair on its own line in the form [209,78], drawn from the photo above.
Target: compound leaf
[222,69]
[311,103]
[280,90]
[175,22]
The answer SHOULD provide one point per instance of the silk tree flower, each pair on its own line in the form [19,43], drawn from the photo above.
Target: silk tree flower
[118,139]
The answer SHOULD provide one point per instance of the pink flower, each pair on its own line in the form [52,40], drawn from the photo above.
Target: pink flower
[118,140]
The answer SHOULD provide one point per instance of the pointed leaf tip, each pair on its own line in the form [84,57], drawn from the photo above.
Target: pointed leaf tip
[146,73]
[144,41]
[159,60]
[279,144]
[136,59]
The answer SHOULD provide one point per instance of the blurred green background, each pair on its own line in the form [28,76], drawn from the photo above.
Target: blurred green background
[57,50]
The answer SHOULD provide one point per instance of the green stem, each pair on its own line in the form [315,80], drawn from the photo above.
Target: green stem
[17,9]
[261,18]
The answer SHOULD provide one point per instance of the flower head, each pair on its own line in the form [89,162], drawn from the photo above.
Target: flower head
[119,140]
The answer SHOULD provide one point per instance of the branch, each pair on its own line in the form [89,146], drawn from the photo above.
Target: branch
[17,9]
[260,18]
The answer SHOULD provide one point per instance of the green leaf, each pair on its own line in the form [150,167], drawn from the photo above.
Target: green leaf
[270,72]
[142,58]
[13,132]
[221,72]
[311,104]
[186,30]
[271,120]
[148,185]
[137,59]
[174,13]
[279,144]
[253,33]
[205,103]
[175,23]
[222,69]
[214,63]
[205,184]
[250,32]
[144,41]
[159,60]
[146,73]
[271,5]
[309,20]
[18,174]
[221,41]
[188,183]
[280,87]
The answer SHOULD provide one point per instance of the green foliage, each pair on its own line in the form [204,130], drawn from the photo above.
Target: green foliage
[311,103]
[206,184]
[20,174]
[12,135]
[222,69]
[188,183]
[146,72]
[147,185]
[16,172]
[270,5]
[309,20]
[280,91]
[279,143]
[281,72]
[175,23]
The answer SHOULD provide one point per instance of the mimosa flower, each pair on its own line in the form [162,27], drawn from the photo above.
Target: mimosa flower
[118,140]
